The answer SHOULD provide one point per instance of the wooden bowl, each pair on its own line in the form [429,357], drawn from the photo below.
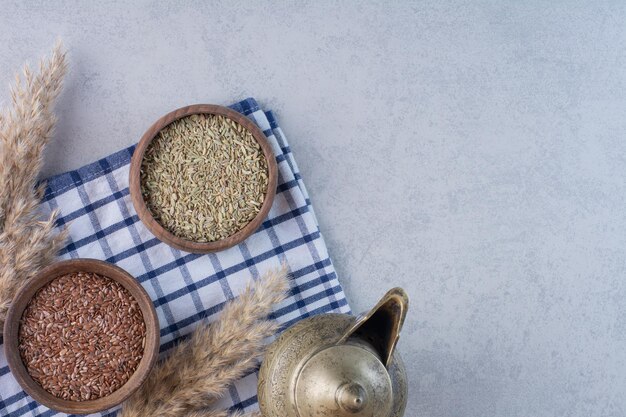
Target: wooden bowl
[21,300]
[161,232]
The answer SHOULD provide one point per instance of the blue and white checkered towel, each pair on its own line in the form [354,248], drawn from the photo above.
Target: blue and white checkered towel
[187,288]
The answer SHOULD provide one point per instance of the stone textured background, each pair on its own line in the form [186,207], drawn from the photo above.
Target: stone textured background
[472,152]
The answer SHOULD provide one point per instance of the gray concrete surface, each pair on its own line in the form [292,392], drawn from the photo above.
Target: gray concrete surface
[472,152]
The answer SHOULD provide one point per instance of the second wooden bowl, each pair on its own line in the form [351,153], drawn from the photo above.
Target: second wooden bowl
[12,325]
[161,232]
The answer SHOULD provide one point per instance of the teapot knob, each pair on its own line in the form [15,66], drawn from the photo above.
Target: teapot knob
[351,397]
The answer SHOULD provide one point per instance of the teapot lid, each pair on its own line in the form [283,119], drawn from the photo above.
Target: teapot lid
[346,380]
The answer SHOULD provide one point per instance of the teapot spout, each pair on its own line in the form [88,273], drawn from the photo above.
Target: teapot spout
[381,326]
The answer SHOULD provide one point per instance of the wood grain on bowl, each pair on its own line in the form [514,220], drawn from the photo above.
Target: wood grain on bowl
[22,300]
[148,219]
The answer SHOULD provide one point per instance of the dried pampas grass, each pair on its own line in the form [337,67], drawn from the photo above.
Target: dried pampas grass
[27,241]
[222,413]
[198,371]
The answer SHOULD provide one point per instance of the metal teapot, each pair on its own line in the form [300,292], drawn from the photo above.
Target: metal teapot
[336,365]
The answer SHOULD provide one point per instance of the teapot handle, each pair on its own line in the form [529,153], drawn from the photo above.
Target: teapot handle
[381,326]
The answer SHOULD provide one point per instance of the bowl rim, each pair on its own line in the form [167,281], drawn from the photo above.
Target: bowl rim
[159,231]
[21,300]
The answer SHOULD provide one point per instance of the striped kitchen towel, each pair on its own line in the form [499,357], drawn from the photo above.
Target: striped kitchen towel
[95,204]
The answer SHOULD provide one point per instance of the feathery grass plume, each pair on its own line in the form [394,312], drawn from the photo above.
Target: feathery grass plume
[27,241]
[222,413]
[199,370]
